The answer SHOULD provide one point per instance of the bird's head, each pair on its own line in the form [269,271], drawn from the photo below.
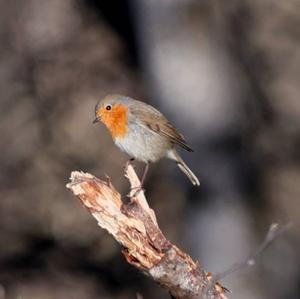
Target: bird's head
[112,110]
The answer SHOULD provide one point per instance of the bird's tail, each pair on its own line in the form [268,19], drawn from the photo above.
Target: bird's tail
[184,168]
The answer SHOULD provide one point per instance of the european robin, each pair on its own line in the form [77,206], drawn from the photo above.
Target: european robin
[142,132]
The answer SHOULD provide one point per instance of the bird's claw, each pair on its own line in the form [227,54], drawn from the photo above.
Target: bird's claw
[137,191]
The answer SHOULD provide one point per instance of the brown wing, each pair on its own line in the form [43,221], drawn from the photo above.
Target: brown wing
[155,121]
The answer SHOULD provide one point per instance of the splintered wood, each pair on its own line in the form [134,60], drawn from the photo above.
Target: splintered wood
[135,227]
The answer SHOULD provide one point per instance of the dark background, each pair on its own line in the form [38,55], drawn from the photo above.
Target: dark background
[227,73]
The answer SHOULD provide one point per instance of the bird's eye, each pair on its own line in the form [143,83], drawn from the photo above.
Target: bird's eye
[108,107]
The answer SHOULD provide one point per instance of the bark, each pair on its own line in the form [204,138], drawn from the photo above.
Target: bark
[135,227]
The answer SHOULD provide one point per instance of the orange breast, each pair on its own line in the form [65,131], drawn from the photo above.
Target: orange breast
[115,120]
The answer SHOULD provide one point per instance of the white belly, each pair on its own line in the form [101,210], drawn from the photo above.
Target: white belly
[143,144]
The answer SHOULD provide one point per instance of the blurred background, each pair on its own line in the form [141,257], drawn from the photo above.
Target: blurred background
[227,73]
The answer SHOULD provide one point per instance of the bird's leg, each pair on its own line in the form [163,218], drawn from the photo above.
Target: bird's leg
[144,174]
[140,187]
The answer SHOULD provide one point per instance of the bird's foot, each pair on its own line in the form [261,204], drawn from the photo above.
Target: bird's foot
[136,191]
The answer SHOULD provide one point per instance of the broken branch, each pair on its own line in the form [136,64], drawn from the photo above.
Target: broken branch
[135,227]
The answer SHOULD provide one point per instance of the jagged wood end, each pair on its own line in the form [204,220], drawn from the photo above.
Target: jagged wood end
[135,182]
[134,226]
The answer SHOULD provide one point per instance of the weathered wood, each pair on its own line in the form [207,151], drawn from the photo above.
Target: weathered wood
[135,227]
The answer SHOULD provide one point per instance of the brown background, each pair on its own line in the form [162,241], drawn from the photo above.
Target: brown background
[227,73]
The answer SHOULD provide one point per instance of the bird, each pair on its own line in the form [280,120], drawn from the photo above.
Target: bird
[142,131]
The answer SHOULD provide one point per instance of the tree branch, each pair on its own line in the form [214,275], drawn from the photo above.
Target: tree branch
[135,227]
[274,232]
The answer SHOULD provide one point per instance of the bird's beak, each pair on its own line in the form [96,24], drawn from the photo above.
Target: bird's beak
[97,119]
